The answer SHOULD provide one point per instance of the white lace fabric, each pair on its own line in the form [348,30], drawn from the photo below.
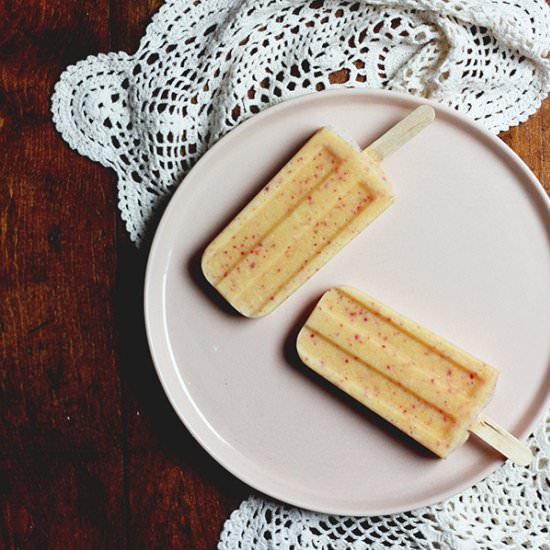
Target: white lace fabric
[205,66]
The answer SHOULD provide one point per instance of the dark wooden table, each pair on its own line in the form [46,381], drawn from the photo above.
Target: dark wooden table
[91,453]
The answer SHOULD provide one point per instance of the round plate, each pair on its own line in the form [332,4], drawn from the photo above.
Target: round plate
[465,251]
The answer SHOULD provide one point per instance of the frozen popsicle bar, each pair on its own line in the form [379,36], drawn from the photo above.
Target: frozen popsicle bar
[324,196]
[422,384]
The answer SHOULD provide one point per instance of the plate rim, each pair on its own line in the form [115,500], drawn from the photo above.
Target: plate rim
[241,473]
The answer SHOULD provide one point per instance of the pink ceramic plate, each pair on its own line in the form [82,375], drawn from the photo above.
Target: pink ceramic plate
[464,250]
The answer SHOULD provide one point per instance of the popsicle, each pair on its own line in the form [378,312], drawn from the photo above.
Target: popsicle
[320,200]
[425,386]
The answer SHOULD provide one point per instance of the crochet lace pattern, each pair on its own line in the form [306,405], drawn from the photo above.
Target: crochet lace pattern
[204,67]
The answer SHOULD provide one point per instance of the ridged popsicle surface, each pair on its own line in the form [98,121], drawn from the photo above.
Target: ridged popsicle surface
[424,385]
[320,200]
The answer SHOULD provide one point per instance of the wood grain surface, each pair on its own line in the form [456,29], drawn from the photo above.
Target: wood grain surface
[91,453]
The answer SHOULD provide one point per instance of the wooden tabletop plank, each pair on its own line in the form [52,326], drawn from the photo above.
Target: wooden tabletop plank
[91,453]
[61,474]
[530,140]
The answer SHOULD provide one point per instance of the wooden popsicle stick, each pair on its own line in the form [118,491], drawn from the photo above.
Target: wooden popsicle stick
[399,134]
[502,441]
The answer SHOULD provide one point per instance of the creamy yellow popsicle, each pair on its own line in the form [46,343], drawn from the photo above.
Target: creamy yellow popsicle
[324,196]
[422,384]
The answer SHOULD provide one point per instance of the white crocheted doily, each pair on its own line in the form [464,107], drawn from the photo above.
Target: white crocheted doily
[509,510]
[205,66]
